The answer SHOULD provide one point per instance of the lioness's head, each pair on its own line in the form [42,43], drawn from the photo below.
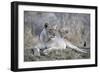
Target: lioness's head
[51,30]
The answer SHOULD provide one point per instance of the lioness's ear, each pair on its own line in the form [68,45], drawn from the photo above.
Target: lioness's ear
[46,25]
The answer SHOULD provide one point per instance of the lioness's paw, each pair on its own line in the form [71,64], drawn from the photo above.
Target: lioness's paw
[46,52]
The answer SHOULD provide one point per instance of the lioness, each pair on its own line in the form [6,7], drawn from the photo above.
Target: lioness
[51,39]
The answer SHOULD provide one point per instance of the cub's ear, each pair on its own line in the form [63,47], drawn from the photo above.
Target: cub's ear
[46,25]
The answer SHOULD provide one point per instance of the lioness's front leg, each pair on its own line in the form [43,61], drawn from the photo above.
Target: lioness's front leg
[36,51]
[46,51]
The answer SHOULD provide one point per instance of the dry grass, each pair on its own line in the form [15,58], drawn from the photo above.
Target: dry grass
[78,31]
[66,54]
